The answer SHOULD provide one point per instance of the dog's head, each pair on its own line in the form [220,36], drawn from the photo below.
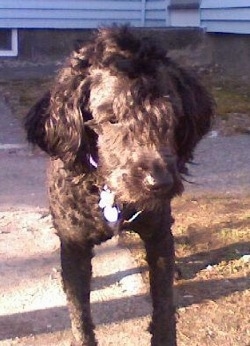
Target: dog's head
[122,107]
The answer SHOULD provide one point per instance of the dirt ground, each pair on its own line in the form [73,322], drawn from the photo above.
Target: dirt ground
[213,256]
[212,249]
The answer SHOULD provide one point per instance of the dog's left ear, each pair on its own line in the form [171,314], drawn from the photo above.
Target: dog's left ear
[195,112]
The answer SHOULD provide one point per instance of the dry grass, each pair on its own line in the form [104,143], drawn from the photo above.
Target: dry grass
[231,98]
[21,94]
[212,244]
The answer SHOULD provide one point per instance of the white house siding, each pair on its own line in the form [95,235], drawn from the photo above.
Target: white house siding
[226,16]
[184,13]
[185,18]
[79,14]
[156,13]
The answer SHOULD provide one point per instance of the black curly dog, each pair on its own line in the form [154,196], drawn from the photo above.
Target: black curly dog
[122,115]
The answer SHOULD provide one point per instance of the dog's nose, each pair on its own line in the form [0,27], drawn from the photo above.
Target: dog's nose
[157,175]
[159,183]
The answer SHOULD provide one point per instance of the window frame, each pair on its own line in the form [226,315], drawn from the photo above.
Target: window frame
[13,51]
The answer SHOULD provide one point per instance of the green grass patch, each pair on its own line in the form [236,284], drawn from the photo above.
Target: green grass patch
[22,94]
[231,100]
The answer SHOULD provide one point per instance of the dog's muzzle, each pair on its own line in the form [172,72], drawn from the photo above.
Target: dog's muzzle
[159,185]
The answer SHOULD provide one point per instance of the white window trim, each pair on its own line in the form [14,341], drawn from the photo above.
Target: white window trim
[14,45]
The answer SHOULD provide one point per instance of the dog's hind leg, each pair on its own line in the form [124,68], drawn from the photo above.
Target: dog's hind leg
[76,276]
[160,257]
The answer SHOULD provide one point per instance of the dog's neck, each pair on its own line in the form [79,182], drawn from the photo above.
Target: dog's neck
[111,211]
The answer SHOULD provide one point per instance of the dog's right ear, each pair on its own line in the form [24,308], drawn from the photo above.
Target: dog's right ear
[35,120]
[56,123]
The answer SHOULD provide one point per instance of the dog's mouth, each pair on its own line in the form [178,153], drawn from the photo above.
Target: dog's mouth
[144,192]
[158,187]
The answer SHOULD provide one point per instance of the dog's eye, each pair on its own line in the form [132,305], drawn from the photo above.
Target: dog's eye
[113,120]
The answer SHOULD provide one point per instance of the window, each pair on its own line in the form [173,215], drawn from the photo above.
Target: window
[8,42]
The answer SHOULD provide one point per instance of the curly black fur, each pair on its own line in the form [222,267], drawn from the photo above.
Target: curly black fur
[122,103]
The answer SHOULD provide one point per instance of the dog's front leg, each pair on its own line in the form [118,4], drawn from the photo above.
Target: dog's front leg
[160,257]
[76,275]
